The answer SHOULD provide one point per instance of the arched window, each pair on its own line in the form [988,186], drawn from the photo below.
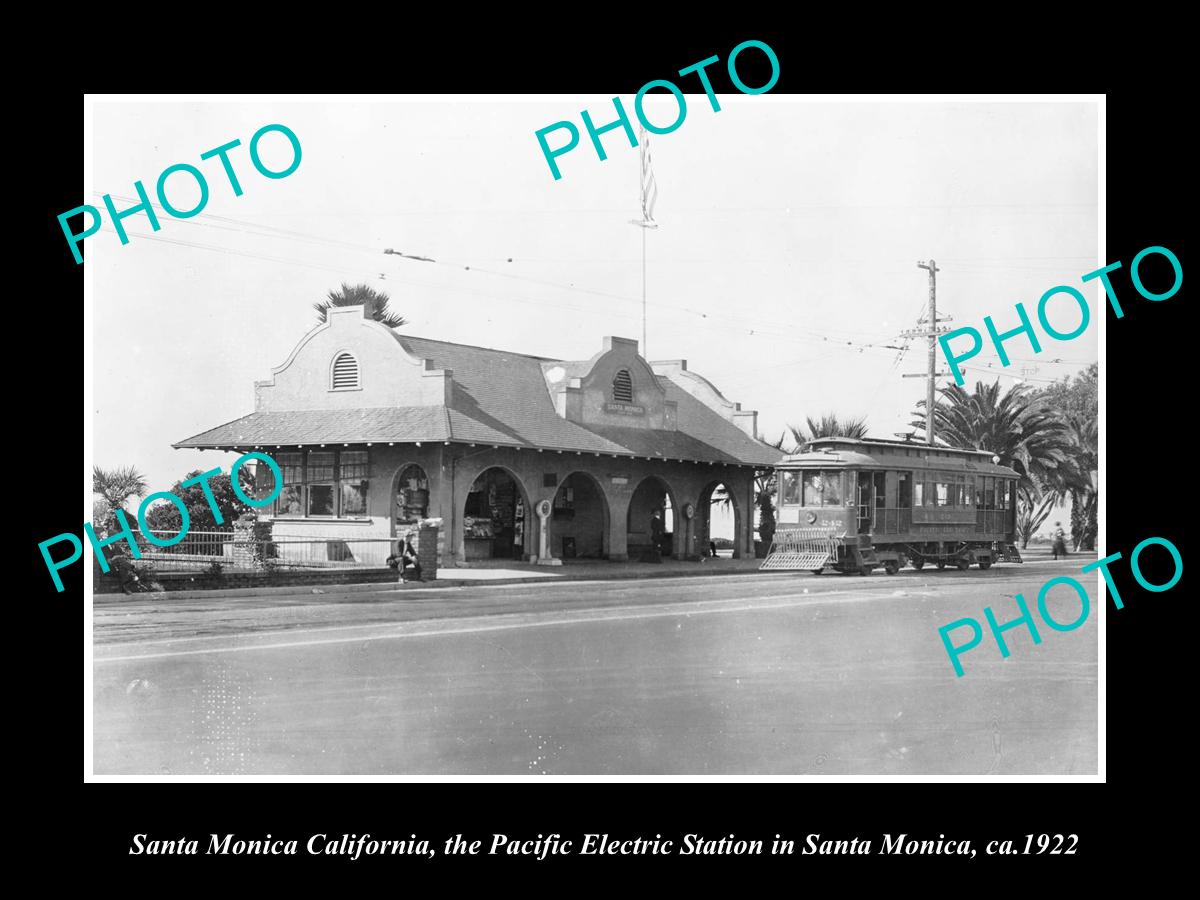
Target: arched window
[344,374]
[622,387]
[412,495]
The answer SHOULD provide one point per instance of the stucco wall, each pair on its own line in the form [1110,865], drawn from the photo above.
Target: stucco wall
[388,375]
[452,470]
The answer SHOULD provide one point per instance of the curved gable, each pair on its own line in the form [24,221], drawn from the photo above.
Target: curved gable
[385,374]
[616,387]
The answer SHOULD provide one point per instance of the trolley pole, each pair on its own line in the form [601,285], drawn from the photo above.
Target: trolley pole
[931,332]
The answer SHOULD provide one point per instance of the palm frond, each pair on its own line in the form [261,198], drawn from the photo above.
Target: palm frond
[374,303]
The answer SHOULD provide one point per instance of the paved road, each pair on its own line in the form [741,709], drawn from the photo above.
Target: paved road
[770,674]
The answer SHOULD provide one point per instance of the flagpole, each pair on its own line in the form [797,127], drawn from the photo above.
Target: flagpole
[645,351]
[649,193]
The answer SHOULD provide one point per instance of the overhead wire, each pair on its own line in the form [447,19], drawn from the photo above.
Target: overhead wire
[809,335]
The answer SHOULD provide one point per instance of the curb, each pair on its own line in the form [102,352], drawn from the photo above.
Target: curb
[114,599]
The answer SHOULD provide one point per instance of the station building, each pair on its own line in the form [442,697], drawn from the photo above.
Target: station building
[375,430]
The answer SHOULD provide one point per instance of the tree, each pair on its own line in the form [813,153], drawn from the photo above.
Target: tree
[115,488]
[829,425]
[766,520]
[1077,399]
[1019,428]
[1031,516]
[375,304]
[165,517]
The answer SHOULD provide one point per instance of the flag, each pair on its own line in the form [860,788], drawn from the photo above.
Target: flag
[649,185]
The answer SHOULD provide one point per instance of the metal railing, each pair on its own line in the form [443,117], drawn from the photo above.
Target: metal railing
[201,550]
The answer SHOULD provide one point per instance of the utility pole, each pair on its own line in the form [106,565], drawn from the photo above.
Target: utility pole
[931,332]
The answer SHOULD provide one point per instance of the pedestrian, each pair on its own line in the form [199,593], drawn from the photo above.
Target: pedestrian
[1060,541]
[712,548]
[656,534]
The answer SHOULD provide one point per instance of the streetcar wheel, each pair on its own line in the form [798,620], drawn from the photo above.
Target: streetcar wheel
[941,565]
[818,571]
[891,567]
[865,570]
[985,564]
[964,564]
[918,563]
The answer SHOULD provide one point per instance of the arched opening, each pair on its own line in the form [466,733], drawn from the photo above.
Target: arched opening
[718,522]
[410,499]
[579,521]
[343,373]
[497,520]
[651,497]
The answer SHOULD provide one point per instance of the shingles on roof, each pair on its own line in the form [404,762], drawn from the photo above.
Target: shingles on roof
[498,398]
[320,426]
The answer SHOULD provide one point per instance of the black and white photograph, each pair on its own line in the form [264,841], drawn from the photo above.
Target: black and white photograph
[530,437]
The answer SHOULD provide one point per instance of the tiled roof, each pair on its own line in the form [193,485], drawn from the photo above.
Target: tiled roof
[328,426]
[498,398]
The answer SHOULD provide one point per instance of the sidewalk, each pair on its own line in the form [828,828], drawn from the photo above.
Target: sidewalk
[489,572]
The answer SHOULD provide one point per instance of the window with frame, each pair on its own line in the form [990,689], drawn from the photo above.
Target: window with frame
[822,489]
[790,493]
[320,483]
[291,499]
[1004,494]
[323,483]
[353,481]
[943,493]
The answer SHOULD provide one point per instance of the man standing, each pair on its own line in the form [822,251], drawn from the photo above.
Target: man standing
[656,533]
[1060,541]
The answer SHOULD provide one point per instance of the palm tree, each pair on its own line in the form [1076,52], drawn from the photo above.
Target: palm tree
[1025,433]
[1031,517]
[374,304]
[1083,433]
[827,426]
[115,488]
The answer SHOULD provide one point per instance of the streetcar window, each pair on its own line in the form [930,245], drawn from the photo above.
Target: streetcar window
[822,489]
[943,493]
[905,491]
[918,493]
[791,488]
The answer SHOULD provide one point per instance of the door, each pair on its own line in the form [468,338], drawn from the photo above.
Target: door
[866,507]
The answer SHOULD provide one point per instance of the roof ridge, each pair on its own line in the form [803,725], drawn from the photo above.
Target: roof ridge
[417,337]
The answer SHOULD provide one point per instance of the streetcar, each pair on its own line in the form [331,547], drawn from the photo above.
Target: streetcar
[857,504]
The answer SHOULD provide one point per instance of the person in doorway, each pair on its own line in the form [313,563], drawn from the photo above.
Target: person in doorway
[712,548]
[1060,541]
[656,533]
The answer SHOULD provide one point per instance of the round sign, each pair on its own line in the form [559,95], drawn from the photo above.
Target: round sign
[812,517]
[543,508]
[688,510]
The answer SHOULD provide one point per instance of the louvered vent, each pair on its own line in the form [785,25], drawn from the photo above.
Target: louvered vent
[623,387]
[345,372]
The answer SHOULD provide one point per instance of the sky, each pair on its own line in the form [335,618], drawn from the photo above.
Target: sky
[783,269]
